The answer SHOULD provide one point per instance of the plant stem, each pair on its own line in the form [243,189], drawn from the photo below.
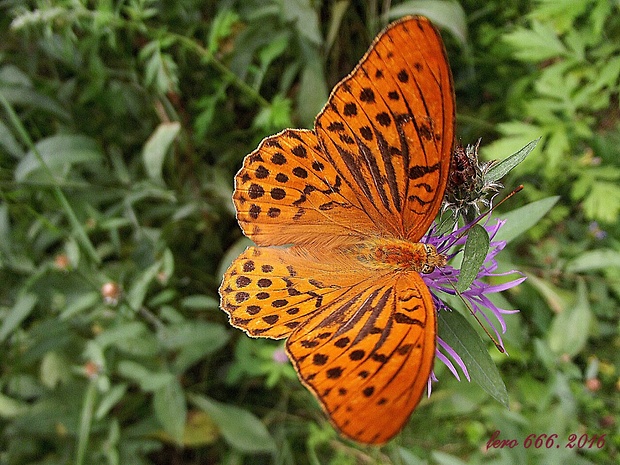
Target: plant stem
[78,229]
[86,420]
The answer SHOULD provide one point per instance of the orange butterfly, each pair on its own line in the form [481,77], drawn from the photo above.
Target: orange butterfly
[336,214]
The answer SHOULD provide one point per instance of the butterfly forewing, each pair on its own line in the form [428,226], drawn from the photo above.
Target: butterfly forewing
[389,127]
[289,181]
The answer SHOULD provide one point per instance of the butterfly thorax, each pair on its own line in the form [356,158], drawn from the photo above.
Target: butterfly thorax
[397,255]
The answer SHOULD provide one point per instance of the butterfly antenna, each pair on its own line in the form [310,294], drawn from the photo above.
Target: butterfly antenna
[498,346]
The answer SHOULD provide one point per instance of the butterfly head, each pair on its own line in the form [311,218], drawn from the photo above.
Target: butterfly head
[433,259]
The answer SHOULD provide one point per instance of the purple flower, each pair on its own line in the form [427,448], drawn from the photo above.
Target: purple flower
[595,230]
[279,355]
[443,281]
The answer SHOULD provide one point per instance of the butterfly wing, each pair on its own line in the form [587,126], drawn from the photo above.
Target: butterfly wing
[388,127]
[269,292]
[378,160]
[367,355]
[363,342]
[288,192]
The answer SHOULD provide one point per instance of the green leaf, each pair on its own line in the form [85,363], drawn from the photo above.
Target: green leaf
[142,345]
[603,202]
[313,92]
[10,408]
[536,44]
[594,260]
[120,333]
[222,27]
[501,169]
[59,153]
[211,335]
[160,69]
[306,20]
[561,14]
[9,143]
[570,329]
[448,14]
[5,232]
[443,458]
[148,380]
[79,304]
[25,96]
[476,249]
[514,134]
[275,48]
[137,293]
[520,220]
[171,409]
[200,302]
[338,10]
[408,457]
[555,297]
[276,116]
[18,313]
[458,333]
[109,400]
[195,339]
[54,369]
[240,428]
[156,148]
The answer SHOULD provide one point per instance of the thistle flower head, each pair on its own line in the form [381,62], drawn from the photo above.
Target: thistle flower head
[468,189]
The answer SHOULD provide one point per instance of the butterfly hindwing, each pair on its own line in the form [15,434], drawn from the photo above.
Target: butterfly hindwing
[269,292]
[368,355]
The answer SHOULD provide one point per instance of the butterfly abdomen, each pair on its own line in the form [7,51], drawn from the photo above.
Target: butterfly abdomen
[397,255]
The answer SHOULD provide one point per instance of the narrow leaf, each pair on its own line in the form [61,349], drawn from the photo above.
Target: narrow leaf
[20,311]
[171,409]
[135,296]
[555,297]
[156,148]
[502,168]
[455,330]
[11,408]
[189,333]
[522,219]
[59,153]
[476,249]
[200,302]
[240,428]
[120,333]
[443,458]
[79,304]
[148,380]
[109,400]
[594,260]
[570,328]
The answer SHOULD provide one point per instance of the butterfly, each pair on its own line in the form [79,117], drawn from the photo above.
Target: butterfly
[337,214]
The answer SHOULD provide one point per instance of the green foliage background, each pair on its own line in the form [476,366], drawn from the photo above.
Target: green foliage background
[122,125]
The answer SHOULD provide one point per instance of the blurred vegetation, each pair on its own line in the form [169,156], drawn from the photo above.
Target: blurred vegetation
[122,125]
